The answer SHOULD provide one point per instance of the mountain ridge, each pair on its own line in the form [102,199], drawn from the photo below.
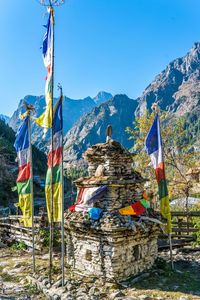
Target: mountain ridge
[176,90]
[72,109]
[91,128]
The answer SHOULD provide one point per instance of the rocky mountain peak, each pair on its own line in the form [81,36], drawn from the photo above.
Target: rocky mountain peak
[5,118]
[102,97]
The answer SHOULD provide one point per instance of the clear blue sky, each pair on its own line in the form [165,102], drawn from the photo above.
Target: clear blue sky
[114,45]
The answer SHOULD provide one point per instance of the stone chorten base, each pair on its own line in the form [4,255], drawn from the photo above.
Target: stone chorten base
[111,252]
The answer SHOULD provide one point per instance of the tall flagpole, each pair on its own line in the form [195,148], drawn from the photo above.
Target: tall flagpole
[32,196]
[156,108]
[171,254]
[62,208]
[51,206]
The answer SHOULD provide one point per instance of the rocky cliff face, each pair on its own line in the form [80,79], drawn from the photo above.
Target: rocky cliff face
[177,88]
[91,128]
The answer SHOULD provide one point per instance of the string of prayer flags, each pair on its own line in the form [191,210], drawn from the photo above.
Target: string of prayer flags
[90,195]
[137,208]
[86,197]
[57,174]
[127,211]
[22,147]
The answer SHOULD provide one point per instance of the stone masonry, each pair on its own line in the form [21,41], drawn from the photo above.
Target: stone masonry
[115,247]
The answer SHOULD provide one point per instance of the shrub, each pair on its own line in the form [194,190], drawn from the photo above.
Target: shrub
[19,245]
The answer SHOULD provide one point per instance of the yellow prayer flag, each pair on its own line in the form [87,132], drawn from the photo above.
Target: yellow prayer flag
[25,205]
[165,211]
[126,211]
[45,119]
[57,201]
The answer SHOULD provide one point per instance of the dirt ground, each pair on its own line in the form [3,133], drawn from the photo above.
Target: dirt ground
[161,282]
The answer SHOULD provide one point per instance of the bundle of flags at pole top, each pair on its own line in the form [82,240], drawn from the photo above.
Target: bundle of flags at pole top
[153,146]
[47,51]
[22,146]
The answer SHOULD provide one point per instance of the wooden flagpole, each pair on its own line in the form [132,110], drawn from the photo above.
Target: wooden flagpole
[171,254]
[62,208]
[32,196]
[51,206]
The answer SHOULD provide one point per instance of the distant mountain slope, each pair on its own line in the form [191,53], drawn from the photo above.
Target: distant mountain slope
[91,128]
[177,88]
[5,118]
[72,111]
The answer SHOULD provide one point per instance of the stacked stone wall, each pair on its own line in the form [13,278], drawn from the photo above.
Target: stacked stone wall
[116,255]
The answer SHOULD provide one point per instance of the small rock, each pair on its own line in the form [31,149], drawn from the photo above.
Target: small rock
[108,284]
[93,291]
[70,287]
[25,297]
[45,282]
[178,271]
[116,294]
[17,265]
[45,256]
[94,298]
[83,297]
[22,281]
[99,171]
[2,245]
[81,291]
[67,296]
[41,278]
[58,284]
[143,297]
[125,284]
[60,291]
[183,298]
[66,282]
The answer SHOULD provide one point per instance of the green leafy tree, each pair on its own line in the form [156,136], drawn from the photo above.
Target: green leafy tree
[175,146]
